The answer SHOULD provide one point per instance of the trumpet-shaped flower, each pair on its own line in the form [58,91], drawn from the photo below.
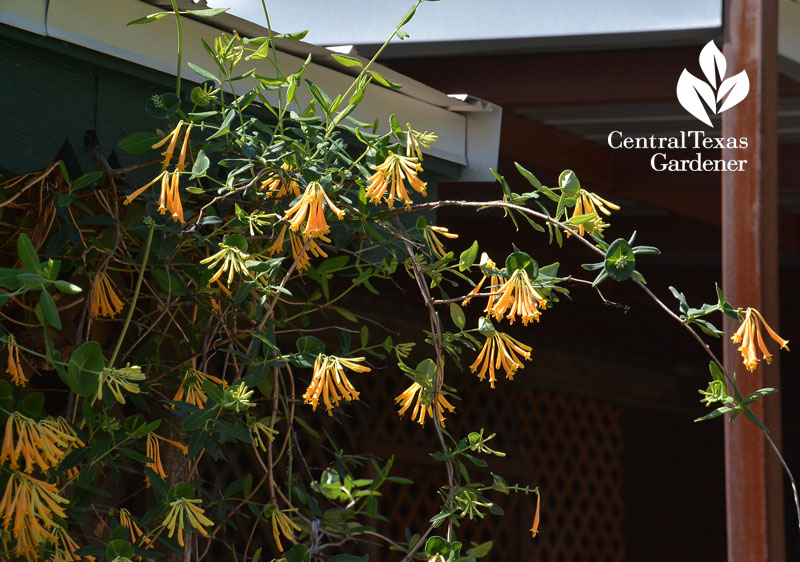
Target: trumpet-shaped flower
[390,175]
[64,548]
[117,380]
[27,509]
[277,245]
[259,429]
[422,399]
[416,141]
[185,510]
[310,209]
[169,199]
[519,297]
[232,260]
[495,281]
[749,333]
[500,351]
[588,203]
[14,368]
[282,184]
[43,443]
[282,524]
[191,388]
[105,301]
[431,235]
[329,377]
[127,521]
[311,247]
[153,451]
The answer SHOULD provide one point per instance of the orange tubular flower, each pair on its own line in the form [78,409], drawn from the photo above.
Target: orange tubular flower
[281,524]
[127,521]
[310,209]
[14,368]
[749,333]
[105,301]
[30,504]
[495,282]
[41,444]
[191,388]
[416,391]
[302,255]
[519,297]
[390,175]
[277,246]
[329,377]
[280,186]
[170,199]
[500,350]
[154,452]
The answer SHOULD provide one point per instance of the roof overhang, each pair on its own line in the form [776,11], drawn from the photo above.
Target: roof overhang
[469,130]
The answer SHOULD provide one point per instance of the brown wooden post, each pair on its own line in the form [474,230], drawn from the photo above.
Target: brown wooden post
[754,482]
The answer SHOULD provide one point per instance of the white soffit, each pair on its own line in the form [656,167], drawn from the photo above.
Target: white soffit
[369,22]
[99,26]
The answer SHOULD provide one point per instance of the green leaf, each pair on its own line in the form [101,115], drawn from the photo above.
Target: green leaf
[9,278]
[84,368]
[468,257]
[119,549]
[225,125]
[364,335]
[49,310]
[716,413]
[27,253]
[68,288]
[145,429]
[206,12]
[203,72]
[137,143]
[85,181]
[31,405]
[201,164]
[521,260]
[310,345]
[529,176]
[569,184]
[457,315]
[380,79]
[322,99]
[347,60]
[298,553]
[620,260]
[147,19]
[199,419]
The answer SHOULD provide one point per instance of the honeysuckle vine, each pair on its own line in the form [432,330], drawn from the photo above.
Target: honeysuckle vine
[197,307]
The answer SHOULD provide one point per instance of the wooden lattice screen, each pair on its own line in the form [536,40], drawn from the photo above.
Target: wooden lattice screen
[568,446]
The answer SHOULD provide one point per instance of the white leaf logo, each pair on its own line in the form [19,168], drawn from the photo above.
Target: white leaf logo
[698,96]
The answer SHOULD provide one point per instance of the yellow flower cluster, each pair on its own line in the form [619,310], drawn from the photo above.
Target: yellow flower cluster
[389,177]
[419,395]
[328,377]
[170,198]
[14,368]
[185,510]
[749,333]
[232,259]
[431,235]
[117,380]
[281,524]
[500,350]
[41,444]
[105,301]
[588,203]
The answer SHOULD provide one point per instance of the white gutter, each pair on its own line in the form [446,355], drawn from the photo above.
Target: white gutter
[469,133]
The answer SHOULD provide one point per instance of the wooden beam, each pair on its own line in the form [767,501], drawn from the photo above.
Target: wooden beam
[565,79]
[754,481]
